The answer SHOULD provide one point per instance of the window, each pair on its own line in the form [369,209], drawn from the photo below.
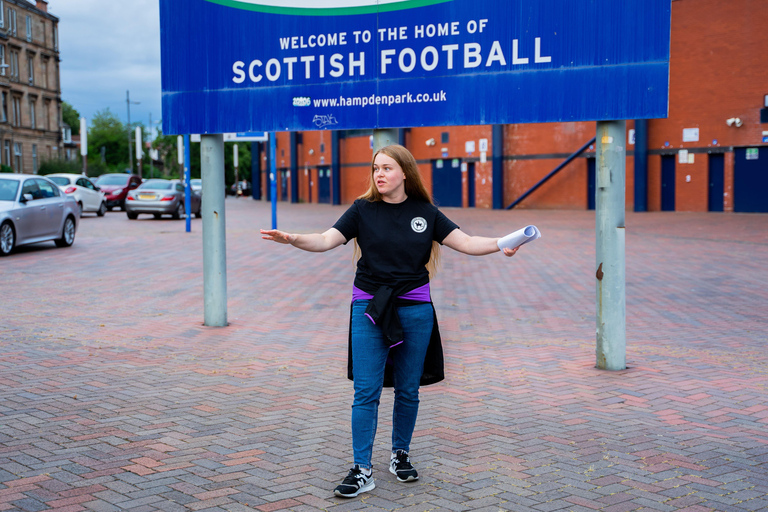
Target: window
[3,65]
[66,134]
[29,28]
[44,70]
[11,22]
[14,65]
[4,113]
[56,38]
[7,153]
[47,189]
[17,156]
[444,138]
[2,14]
[31,69]
[30,187]
[47,116]
[34,158]
[16,111]
[32,113]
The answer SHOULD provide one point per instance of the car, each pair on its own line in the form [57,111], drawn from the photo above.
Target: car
[196,185]
[158,197]
[116,187]
[34,209]
[88,196]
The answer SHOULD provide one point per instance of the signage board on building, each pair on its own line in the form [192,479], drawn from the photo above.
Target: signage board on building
[253,65]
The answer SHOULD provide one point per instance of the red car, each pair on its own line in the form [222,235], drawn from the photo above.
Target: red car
[116,187]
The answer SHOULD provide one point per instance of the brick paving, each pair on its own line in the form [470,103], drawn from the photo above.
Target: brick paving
[113,396]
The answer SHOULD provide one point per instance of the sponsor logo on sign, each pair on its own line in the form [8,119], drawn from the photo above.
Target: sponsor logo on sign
[418,224]
[323,121]
[325,7]
[302,101]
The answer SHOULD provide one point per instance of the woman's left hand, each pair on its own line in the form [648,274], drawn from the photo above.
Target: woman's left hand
[510,252]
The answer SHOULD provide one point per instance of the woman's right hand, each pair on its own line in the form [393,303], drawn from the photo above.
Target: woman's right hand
[278,236]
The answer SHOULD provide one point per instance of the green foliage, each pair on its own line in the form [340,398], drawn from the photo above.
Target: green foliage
[70,116]
[57,165]
[243,158]
[107,131]
[5,168]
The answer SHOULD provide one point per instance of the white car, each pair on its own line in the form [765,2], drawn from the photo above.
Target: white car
[88,196]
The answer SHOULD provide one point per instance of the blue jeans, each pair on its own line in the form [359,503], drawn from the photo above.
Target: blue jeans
[369,356]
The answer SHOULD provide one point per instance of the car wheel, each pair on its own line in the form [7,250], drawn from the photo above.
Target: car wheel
[157,215]
[68,235]
[80,208]
[102,210]
[132,216]
[179,211]
[198,214]
[7,239]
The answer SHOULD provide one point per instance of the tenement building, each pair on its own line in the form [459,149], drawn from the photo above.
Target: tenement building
[30,91]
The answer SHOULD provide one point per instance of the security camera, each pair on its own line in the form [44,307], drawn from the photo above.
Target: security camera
[734,121]
[430,142]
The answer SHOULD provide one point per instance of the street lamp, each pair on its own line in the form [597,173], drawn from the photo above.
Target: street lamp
[128,103]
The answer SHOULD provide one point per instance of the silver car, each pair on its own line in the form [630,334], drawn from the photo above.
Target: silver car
[160,197]
[33,209]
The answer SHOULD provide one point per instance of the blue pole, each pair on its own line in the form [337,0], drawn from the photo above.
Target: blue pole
[187,185]
[273,176]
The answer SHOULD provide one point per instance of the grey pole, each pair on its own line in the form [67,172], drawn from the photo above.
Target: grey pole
[383,138]
[609,210]
[214,235]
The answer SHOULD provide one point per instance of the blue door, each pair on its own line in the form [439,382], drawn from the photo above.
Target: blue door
[446,182]
[471,184]
[591,180]
[716,182]
[668,183]
[324,185]
[750,180]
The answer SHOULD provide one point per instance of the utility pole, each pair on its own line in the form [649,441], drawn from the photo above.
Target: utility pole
[149,136]
[130,150]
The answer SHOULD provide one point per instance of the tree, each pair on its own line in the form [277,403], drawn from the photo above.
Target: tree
[107,131]
[71,116]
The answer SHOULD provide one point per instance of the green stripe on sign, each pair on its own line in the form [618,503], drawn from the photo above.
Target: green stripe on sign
[327,11]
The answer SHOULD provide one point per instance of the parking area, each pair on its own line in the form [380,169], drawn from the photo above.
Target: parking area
[114,396]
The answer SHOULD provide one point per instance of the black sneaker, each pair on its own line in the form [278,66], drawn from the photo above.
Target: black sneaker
[400,465]
[354,483]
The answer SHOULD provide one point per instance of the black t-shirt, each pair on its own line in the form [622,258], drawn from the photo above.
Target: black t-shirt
[395,240]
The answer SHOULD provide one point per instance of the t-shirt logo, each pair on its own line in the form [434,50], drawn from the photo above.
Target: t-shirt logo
[418,224]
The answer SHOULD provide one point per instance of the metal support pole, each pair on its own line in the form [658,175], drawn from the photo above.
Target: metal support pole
[383,138]
[610,257]
[273,176]
[256,170]
[214,232]
[187,183]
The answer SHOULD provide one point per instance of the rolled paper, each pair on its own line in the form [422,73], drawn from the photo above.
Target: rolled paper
[519,237]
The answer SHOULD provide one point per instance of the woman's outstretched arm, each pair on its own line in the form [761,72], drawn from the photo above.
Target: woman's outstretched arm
[474,245]
[312,242]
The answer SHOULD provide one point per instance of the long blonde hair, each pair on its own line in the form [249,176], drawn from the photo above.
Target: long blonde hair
[414,187]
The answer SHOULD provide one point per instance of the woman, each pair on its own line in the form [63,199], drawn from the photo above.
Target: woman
[398,230]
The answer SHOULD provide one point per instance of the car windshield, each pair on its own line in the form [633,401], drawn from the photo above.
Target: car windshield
[59,180]
[8,189]
[157,185]
[114,179]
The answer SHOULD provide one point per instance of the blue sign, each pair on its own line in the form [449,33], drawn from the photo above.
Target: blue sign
[273,65]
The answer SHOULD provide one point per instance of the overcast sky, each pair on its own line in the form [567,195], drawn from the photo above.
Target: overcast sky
[108,47]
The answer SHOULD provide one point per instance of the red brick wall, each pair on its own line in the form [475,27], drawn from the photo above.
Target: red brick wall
[718,70]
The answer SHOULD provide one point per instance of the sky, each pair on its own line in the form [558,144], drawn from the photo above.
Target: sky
[108,47]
